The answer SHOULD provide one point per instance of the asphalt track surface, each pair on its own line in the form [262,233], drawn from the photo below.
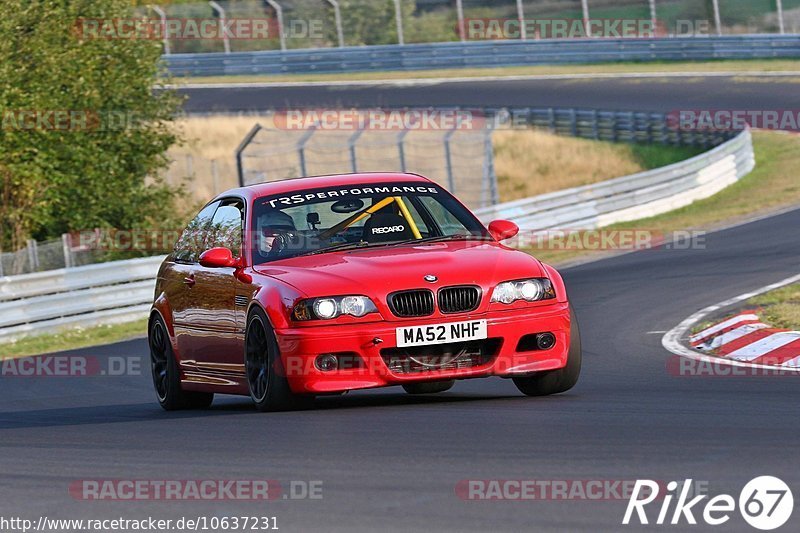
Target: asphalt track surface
[391,462]
[658,94]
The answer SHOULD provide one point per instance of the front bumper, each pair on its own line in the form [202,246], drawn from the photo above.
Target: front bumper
[300,347]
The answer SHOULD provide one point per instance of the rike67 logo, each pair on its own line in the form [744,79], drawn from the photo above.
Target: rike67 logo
[765,503]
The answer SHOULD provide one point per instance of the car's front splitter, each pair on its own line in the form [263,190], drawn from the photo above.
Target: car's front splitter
[364,349]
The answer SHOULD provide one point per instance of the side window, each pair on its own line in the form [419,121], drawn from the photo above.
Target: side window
[226,227]
[192,240]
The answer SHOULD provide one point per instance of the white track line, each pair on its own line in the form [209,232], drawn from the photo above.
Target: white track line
[410,82]
[672,339]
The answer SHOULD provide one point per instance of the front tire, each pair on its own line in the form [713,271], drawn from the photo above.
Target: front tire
[562,379]
[429,387]
[266,376]
[166,373]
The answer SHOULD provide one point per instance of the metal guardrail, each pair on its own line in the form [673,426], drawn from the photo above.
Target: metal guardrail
[44,302]
[483,54]
[632,197]
[614,126]
[105,293]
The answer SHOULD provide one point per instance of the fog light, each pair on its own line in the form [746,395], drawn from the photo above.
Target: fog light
[545,341]
[327,362]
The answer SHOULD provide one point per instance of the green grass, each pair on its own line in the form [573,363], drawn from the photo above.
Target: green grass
[652,156]
[781,307]
[771,185]
[74,339]
[705,324]
[700,67]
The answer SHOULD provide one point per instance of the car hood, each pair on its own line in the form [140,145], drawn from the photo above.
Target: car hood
[383,270]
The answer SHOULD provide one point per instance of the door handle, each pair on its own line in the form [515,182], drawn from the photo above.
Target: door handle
[189,280]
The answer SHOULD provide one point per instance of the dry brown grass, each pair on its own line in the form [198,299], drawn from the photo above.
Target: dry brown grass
[216,136]
[535,162]
[207,139]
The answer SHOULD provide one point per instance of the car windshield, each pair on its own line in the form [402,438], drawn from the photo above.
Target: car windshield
[354,216]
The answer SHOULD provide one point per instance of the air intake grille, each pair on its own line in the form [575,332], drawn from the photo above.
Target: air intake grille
[411,303]
[455,356]
[459,299]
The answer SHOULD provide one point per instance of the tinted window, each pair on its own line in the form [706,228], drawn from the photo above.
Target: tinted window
[226,228]
[192,240]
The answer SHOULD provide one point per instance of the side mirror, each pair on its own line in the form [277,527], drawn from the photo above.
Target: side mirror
[218,258]
[503,229]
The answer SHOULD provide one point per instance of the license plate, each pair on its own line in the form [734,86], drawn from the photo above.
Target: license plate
[441,333]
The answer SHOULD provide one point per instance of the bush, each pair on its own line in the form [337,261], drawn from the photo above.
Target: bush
[97,166]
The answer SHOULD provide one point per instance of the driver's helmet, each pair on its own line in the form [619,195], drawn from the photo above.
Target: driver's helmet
[269,226]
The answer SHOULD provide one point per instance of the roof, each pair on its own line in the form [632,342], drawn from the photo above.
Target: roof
[287,186]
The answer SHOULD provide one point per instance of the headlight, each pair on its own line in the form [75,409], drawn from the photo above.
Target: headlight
[325,308]
[354,305]
[328,308]
[530,290]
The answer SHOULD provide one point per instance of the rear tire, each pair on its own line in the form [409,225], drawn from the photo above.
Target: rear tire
[562,379]
[429,387]
[167,375]
[266,376]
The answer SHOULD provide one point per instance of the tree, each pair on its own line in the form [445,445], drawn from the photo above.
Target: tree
[85,126]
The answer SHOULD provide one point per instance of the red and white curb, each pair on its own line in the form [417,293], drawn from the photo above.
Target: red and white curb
[742,340]
[745,338]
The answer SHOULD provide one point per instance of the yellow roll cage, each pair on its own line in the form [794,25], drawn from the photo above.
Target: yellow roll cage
[349,221]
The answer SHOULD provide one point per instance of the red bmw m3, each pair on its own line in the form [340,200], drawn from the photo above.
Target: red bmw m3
[288,290]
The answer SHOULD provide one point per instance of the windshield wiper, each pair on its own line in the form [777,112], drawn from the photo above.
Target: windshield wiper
[364,244]
[442,238]
[336,247]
